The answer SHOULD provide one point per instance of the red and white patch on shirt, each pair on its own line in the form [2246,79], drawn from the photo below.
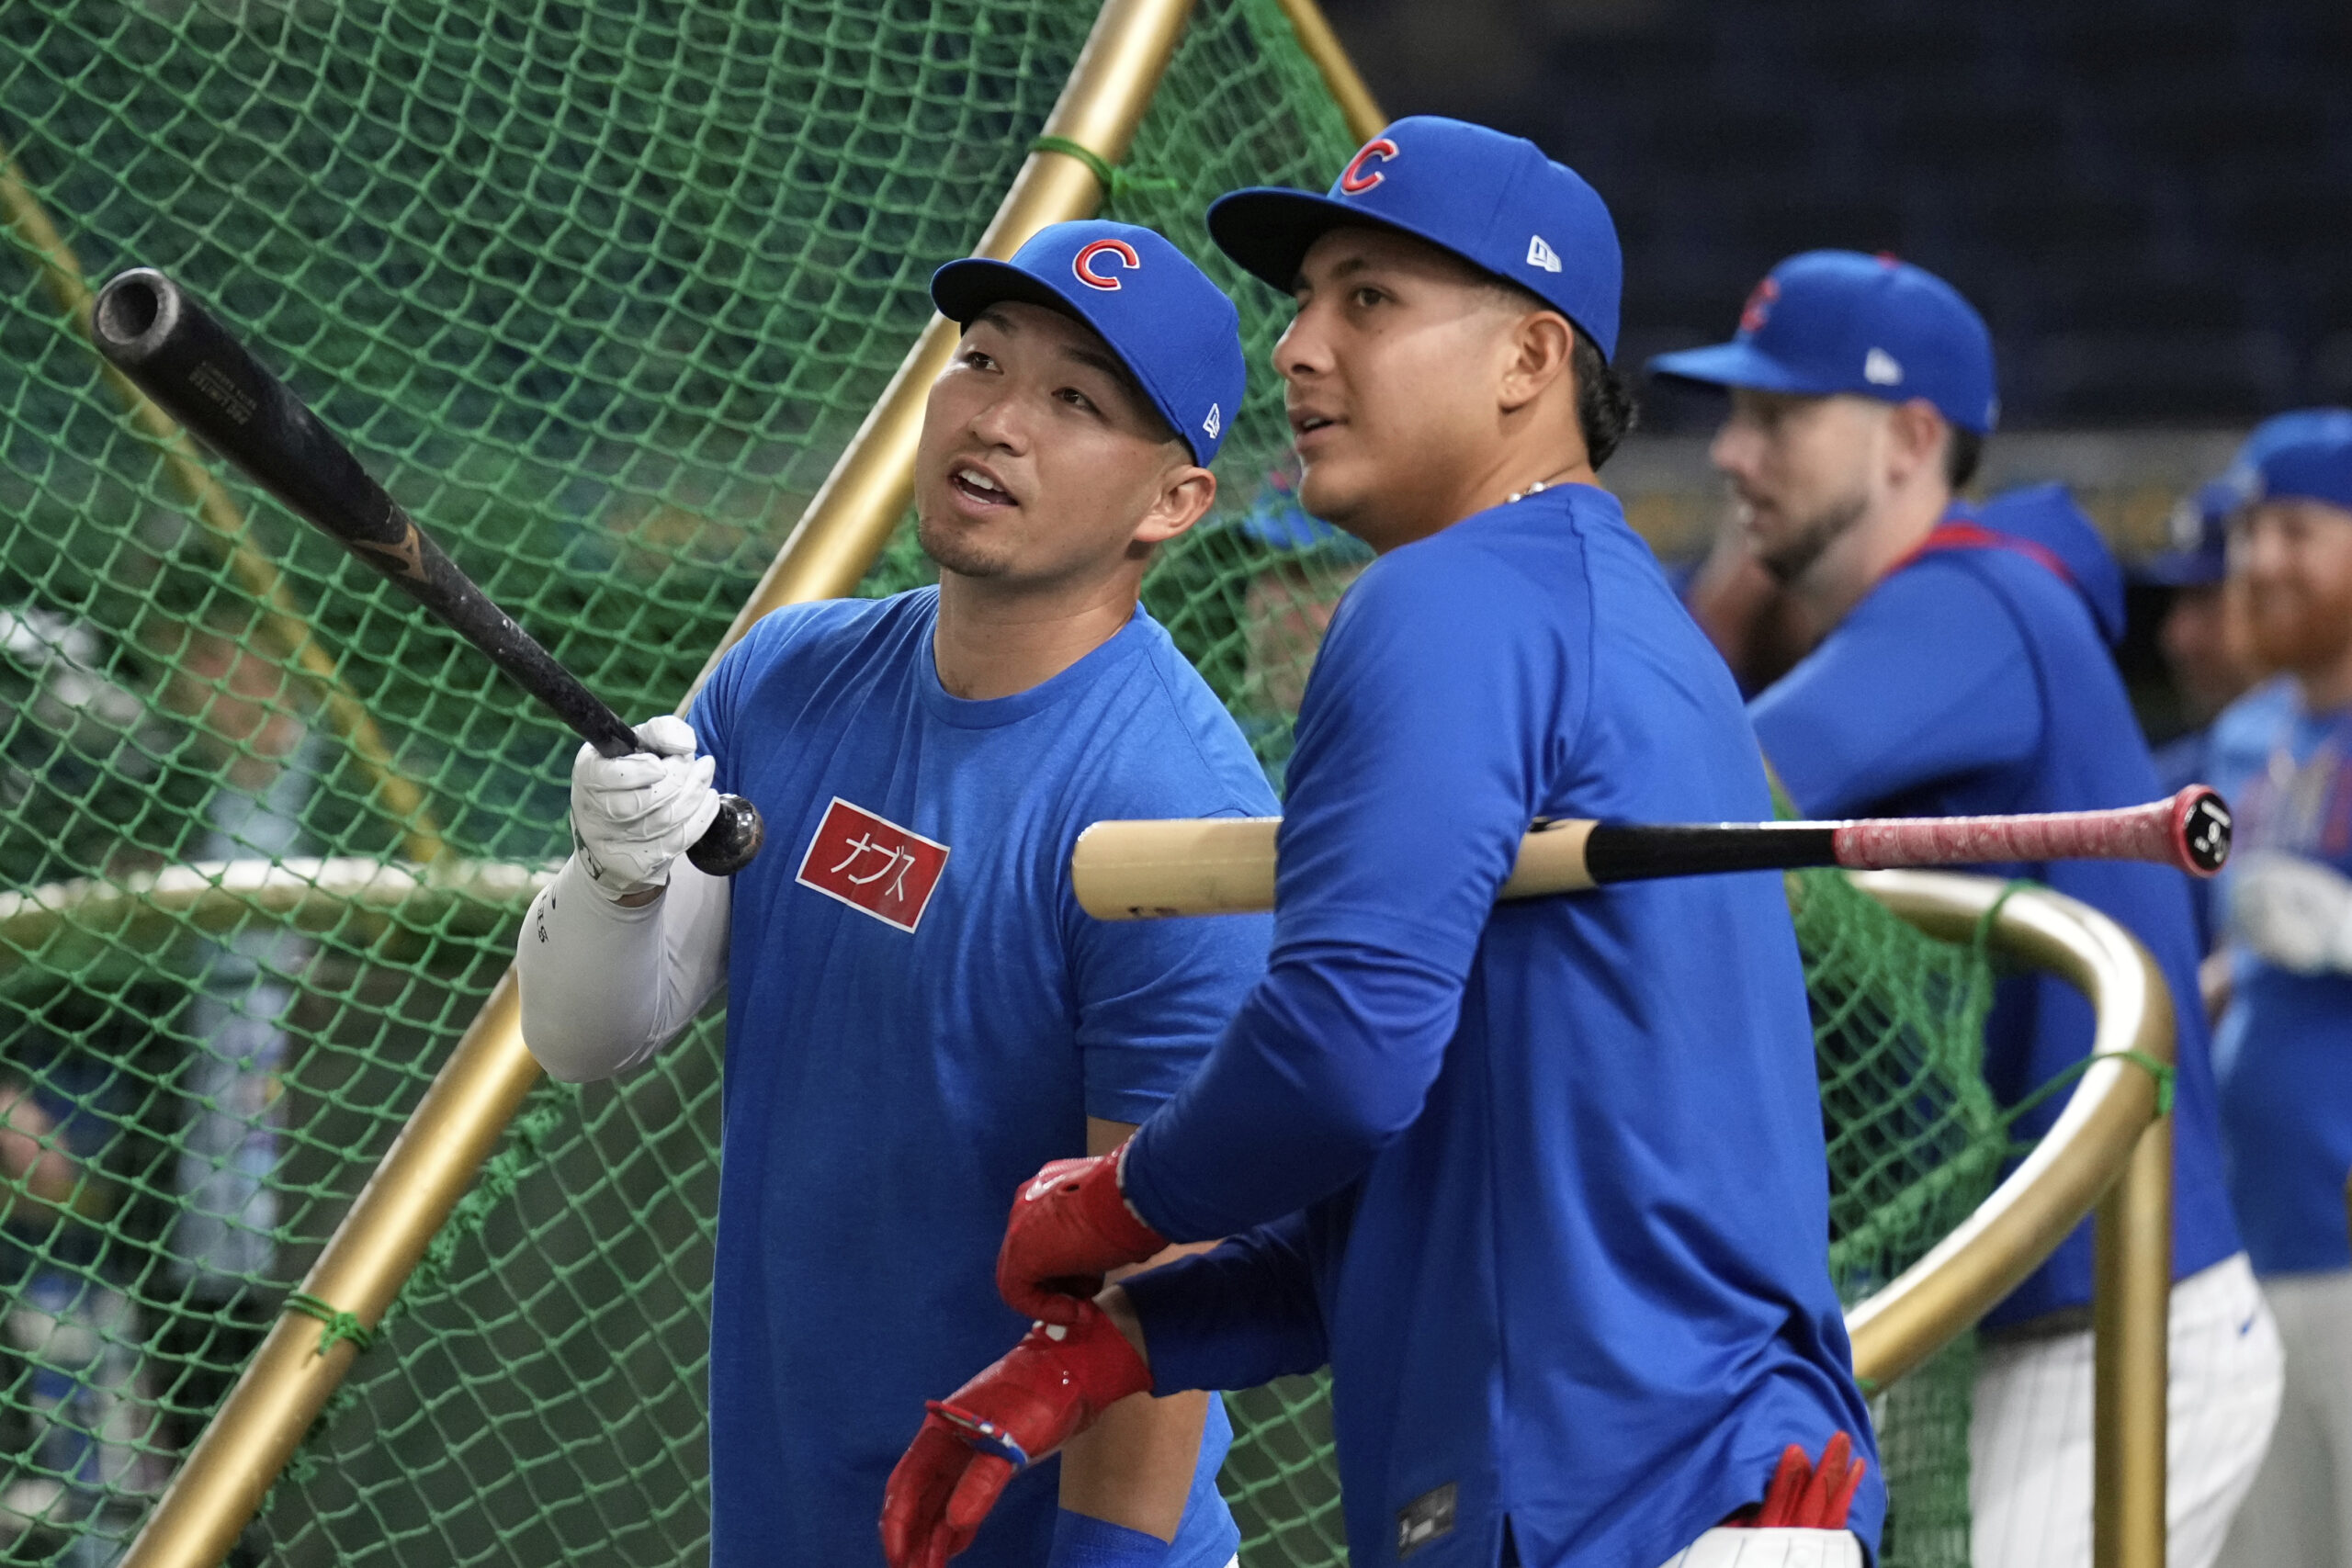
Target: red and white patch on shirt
[873,864]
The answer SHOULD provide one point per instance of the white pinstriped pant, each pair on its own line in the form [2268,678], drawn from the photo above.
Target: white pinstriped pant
[1771,1549]
[2300,1511]
[2030,1440]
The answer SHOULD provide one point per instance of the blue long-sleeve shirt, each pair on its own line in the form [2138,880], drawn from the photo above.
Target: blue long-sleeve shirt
[1544,1182]
[1976,680]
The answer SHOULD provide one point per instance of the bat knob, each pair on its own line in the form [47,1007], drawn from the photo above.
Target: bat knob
[731,842]
[136,312]
[2201,830]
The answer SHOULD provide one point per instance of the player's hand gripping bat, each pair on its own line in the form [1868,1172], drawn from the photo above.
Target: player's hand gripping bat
[1143,871]
[184,359]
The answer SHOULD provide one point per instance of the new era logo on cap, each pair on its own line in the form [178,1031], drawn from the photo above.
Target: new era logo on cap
[1541,254]
[1215,423]
[1880,368]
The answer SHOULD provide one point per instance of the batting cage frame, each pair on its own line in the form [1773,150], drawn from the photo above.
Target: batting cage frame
[2109,1150]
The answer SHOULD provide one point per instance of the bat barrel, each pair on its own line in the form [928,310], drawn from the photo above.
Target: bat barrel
[152,331]
[149,328]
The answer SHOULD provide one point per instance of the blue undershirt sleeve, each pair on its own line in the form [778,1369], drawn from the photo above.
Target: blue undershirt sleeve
[1237,1315]
[1429,725]
[1928,678]
[1083,1541]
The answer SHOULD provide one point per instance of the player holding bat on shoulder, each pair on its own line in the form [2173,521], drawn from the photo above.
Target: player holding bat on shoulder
[1544,1183]
[1966,669]
[919,1015]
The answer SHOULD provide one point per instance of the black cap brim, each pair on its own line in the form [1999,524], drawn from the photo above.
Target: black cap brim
[962,289]
[1268,229]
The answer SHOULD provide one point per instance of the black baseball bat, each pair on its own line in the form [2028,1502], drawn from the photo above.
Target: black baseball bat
[1222,865]
[153,332]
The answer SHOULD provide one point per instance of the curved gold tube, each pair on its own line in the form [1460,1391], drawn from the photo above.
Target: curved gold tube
[144,911]
[2111,1148]
[458,1122]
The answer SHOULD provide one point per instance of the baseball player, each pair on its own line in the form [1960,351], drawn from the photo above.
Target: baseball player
[2209,652]
[1543,1183]
[2236,745]
[918,1013]
[1968,671]
[2285,1042]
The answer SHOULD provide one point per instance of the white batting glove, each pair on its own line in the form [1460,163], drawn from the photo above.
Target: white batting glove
[632,815]
[2293,912]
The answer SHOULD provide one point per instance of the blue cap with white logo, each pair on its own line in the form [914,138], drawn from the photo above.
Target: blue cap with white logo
[2200,531]
[1172,327]
[1832,321]
[1496,201]
[2200,524]
[2316,470]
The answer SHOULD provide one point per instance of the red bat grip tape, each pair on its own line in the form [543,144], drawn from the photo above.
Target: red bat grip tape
[2190,831]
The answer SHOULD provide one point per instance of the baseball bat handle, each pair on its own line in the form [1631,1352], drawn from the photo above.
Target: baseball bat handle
[151,330]
[1135,870]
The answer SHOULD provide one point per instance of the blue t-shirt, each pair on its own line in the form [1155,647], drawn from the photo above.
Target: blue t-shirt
[919,1016]
[2239,740]
[2284,1053]
[1544,1182]
[2225,755]
[1975,681]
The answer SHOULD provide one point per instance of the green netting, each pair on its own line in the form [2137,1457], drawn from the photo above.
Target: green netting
[600,290]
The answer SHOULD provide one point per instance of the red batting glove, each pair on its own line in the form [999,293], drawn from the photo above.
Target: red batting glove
[1045,1390]
[1069,1225]
[1805,1498]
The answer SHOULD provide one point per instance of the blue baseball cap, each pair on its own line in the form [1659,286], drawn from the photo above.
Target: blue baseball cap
[1495,201]
[1832,321]
[2198,530]
[1173,329]
[2318,469]
[2200,524]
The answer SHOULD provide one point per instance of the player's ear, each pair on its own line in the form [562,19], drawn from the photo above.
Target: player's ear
[1187,491]
[1537,353]
[1917,433]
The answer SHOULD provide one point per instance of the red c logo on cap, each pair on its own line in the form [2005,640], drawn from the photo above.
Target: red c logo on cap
[1759,305]
[1083,264]
[1352,179]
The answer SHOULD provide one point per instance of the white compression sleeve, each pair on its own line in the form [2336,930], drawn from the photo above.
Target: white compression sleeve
[604,986]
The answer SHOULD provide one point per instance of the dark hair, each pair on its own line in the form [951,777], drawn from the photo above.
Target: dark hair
[1963,452]
[1605,405]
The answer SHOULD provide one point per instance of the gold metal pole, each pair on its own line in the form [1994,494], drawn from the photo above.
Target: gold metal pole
[2133,1315]
[2046,1197]
[852,515]
[458,1122]
[2112,1139]
[1330,56]
[283,622]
